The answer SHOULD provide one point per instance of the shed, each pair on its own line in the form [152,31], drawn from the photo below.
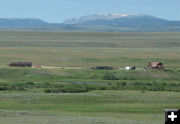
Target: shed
[21,64]
[103,68]
[155,65]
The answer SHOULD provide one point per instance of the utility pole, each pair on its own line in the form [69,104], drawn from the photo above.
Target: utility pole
[87,63]
[63,63]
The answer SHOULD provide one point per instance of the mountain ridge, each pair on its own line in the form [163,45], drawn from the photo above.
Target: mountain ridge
[22,22]
[95,22]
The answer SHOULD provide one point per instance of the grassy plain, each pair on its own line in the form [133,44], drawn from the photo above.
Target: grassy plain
[89,49]
[132,97]
[109,107]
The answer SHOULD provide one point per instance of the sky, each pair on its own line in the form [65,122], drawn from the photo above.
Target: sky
[56,11]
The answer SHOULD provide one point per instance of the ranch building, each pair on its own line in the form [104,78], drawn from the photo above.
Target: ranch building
[21,64]
[155,65]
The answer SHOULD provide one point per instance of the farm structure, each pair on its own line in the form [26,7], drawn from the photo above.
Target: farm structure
[103,68]
[155,65]
[130,68]
[21,64]
[37,66]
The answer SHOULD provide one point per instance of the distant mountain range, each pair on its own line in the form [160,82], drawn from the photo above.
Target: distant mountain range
[96,22]
[22,22]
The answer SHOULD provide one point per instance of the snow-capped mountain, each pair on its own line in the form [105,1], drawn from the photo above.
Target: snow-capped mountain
[99,17]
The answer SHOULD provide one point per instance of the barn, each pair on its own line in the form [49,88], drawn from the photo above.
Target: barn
[21,64]
[155,65]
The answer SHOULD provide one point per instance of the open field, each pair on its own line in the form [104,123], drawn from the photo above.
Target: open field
[88,57]
[109,107]
[85,96]
[89,39]
[89,49]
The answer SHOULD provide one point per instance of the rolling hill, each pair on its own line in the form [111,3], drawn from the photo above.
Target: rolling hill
[22,22]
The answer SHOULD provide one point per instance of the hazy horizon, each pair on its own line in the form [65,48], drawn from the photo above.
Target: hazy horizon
[56,11]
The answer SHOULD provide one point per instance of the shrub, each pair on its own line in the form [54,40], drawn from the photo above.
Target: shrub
[67,89]
[2,88]
[21,88]
[70,89]
[29,83]
[110,76]
[47,90]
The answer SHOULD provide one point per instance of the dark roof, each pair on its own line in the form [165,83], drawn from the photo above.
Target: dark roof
[103,68]
[21,63]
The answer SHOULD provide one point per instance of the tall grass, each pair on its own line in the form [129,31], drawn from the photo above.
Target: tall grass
[92,107]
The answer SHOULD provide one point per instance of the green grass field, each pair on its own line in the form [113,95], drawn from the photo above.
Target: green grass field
[90,49]
[107,97]
[94,107]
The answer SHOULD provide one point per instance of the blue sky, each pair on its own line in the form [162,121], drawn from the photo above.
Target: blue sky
[59,10]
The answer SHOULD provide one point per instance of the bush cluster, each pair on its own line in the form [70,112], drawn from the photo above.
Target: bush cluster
[85,87]
[65,90]
[110,76]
